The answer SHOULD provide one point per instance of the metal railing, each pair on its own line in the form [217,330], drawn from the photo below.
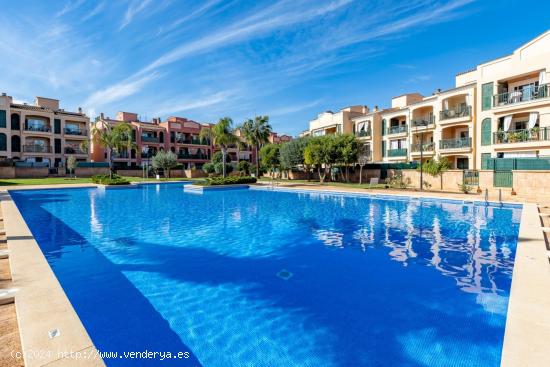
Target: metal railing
[470,177]
[397,129]
[529,93]
[149,139]
[520,136]
[397,152]
[426,147]
[36,148]
[423,121]
[192,156]
[459,111]
[70,131]
[40,128]
[123,155]
[455,143]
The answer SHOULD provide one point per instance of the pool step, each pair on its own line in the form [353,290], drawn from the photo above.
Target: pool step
[7,296]
[4,254]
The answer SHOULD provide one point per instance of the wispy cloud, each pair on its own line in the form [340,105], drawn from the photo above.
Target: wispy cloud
[133,9]
[95,11]
[188,17]
[70,6]
[293,108]
[119,91]
[184,104]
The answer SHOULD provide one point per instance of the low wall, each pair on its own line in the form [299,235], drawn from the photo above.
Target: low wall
[451,180]
[130,172]
[90,171]
[531,183]
[7,172]
[31,172]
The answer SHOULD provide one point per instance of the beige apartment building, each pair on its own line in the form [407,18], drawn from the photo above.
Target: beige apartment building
[500,109]
[41,134]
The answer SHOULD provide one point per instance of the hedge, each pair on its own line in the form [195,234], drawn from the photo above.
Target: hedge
[106,180]
[231,180]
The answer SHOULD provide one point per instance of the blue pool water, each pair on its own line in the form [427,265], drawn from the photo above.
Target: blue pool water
[265,278]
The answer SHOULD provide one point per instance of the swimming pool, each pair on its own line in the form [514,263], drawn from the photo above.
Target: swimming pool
[275,278]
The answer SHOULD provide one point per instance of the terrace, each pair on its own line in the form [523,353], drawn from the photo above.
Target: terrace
[456,109]
[525,88]
[397,126]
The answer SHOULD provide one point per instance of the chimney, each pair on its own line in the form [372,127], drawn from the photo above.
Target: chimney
[102,116]
[80,110]
[375,108]
[3,94]
[437,91]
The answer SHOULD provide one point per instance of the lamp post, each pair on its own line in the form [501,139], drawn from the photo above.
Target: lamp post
[422,123]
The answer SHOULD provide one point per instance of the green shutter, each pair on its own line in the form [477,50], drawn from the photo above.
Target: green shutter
[485,157]
[3,140]
[383,148]
[486,96]
[383,127]
[486,132]
[2,118]
[57,126]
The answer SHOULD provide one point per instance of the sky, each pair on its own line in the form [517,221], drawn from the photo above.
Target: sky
[288,59]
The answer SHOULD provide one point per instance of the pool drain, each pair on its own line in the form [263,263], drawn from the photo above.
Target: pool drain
[284,274]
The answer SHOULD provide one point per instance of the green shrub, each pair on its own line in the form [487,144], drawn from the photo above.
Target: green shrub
[218,158]
[245,167]
[208,168]
[218,168]
[106,180]
[231,180]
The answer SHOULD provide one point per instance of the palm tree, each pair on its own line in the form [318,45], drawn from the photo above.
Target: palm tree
[256,132]
[118,137]
[221,134]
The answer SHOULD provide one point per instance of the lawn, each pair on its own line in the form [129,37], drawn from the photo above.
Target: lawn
[340,184]
[67,181]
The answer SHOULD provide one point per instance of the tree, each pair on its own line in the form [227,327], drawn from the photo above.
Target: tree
[256,133]
[117,137]
[244,167]
[221,134]
[292,153]
[270,157]
[71,164]
[165,161]
[84,145]
[321,153]
[347,150]
[218,158]
[436,167]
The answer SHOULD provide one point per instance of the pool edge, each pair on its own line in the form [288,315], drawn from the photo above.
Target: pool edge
[528,321]
[41,303]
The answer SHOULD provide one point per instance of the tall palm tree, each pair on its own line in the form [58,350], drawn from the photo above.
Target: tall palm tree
[256,132]
[221,134]
[118,137]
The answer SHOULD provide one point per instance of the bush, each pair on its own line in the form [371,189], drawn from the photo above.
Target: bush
[244,166]
[218,168]
[208,168]
[231,180]
[106,180]
[218,158]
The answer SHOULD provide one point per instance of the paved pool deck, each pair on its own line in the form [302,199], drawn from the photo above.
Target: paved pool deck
[42,305]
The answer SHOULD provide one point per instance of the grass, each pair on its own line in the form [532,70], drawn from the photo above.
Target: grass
[68,181]
[338,184]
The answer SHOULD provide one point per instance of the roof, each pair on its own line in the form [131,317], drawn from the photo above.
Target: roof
[45,109]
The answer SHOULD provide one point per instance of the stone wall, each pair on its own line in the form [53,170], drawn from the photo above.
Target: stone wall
[7,172]
[531,183]
[31,172]
[451,180]
[89,171]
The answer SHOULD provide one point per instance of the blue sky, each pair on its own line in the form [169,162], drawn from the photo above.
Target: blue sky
[287,59]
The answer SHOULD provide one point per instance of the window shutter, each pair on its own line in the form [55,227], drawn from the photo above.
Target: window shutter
[383,148]
[486,96]
[486,132]
[485,157]
[383,127]
[57,126]
[2,118]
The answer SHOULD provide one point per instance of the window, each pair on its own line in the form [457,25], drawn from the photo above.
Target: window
[2,118]
[15,143]
[520,125]
[15,121]
[462,163]
[486,132]
[3,141]
[57,126]
[383,148]
[383,126]
[57,146]
[486,96]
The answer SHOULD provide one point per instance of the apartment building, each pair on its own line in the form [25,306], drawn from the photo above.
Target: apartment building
[176,134]
[42,133]
[500,109]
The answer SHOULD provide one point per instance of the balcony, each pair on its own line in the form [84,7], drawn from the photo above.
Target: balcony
[530,93]
[37,148]
[397,152]
[397,129]
[192,156]
[426,147]
[75,131]
[74,150]
[423,121]
[459,143]
[192,141]
[456,112]
[521,136]
[121,155]
[149,139]
[38,128]
[363,133]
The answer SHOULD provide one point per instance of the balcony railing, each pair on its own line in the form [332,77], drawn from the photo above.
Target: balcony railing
[40,128]
[123,155]
[366,132]
[455,113]
[194,141]
[422,121]
[72,131]
[397,152]
[526,94]
[520,136]
[37,148]
[192,156]
[397,129]
[149,139]
[459,143]
[73,150]
[426,147]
